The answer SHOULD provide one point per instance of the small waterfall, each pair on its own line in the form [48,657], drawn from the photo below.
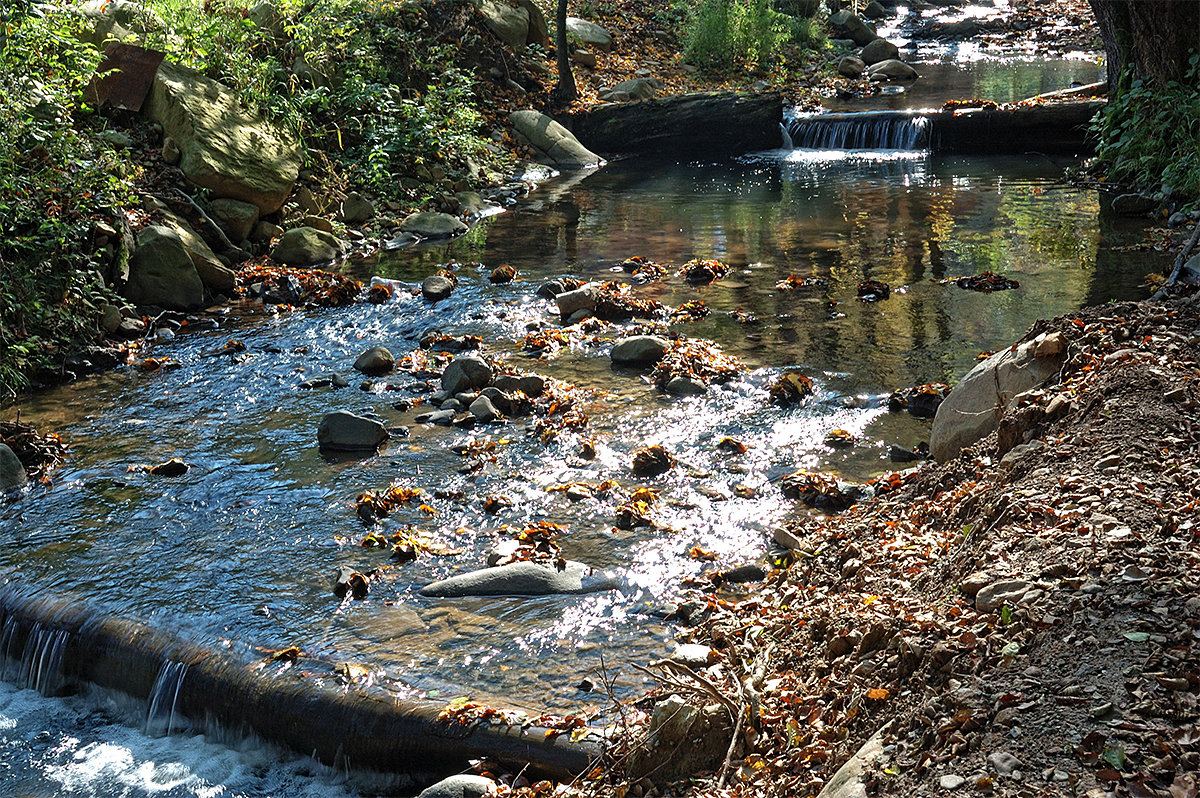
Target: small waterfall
[42,660]
[788,144]
[871,130]
[160,712]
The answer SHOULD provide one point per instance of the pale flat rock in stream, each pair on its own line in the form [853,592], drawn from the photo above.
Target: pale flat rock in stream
[524,579]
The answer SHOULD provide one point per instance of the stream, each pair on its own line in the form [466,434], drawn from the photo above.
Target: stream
[240,551]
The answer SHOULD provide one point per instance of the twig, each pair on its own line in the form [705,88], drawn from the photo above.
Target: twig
[220,233]
[737,732]
[1179,259]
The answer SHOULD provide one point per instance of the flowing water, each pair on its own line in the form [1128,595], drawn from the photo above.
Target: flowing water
[239,552]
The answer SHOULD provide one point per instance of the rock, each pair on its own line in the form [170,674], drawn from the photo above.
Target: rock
[524,579]
[110,318]
[375,361]
[685,386]
[879,50]
[555,145]
[433,224]
[962,29]
[171,468]
[12,473]
[639,350]
[216,276]
[694,655]
[569,302]
[466,373]
[235,218]
[318,223]
[589,34]
[170,152]
[1133,204]
[974,407]
[1004,763]
[115,138]
[851,66]
[874,10]
[951,782]
[224,148]
[550,289]
[344,431]
[637,88]
[346,580]
[849,781]
[683,740]
[891,69]
[509,23]
[266,232]
[436,287]
[532,385]
[265,15]
[161,272]
[483,409]
[853,27]
[306,246]
[356,209]
[584,58]
[442,418]
[118,19]
[472,204]
[1007,591]
[539,31]
[460,786]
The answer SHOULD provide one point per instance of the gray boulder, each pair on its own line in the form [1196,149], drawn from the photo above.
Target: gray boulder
[539,31]
[306,246]
[685,386]
[235,218]
[343,431]
[879,50]
[436,287]
[1008,591]
[223,147]
[639,350]
[161,272]
[874,10]
[591,35]
[636,89]
[483,409]
[974,407]
[461,786]
[524,579]
[892,69]
[851,26]
[216,276]
[466,373]
[12,473]
[357,209]
[432,224]
[375,361]
[851,66]
[532,385]
[509,23]
[555,144]
[571,302]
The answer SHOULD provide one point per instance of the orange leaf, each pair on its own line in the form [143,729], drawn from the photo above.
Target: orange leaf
[877,693]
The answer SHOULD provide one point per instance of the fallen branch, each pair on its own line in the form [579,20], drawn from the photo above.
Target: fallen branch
[1179,261]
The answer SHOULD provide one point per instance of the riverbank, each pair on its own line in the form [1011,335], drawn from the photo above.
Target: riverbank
[1021,620]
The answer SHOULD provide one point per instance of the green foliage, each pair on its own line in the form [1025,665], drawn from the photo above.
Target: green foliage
[1150,135]
[724,33]
[54,184]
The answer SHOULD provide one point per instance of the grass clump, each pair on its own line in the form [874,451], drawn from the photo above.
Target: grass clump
[724,34]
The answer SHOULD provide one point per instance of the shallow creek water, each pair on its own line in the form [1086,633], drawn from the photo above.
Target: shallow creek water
[263,518]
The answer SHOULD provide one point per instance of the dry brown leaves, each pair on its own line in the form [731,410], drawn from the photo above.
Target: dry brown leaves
[40,453]
[317,288]
[696,359]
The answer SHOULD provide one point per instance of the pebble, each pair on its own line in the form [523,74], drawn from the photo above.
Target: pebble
[951,782]
[1004,763]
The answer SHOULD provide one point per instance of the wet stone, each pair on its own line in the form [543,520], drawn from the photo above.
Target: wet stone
[345,431]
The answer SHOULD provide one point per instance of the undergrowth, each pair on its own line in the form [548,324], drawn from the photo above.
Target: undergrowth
[1149,136]
[724,34]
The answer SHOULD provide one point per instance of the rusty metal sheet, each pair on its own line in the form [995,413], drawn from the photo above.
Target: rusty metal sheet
[124,76]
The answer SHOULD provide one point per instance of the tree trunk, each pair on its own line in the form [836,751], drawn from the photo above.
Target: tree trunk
[564,91]
[1153,39]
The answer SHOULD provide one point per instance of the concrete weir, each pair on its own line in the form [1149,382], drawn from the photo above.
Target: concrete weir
[57,646]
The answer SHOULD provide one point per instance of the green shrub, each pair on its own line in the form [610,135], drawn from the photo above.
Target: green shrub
[1150,135]
[724,33]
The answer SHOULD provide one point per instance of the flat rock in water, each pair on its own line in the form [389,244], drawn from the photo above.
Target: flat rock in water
[892,69]
[375,361]
[524,579]
[436,287]
[466,373]
[639,350]
[12,473]
[461,786]
[344,431]
[555,144]
[432,224]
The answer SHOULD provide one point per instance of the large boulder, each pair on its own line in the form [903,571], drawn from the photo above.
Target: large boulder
[235,218]
[223,147]
[891,69]
[524,579]
[343,431]
[161,272]
[851,66]
[852,27]
[973,409]
[509,23]
[432,224]
[555,144]
[12,473]
[216,276]
[305,246]
[539,32]
[589,34]
[466,373]
[879,50]
[118,19]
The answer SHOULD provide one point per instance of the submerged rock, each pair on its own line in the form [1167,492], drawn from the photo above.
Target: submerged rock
[639,350]
[12,473]
[432,224]
[525,579]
